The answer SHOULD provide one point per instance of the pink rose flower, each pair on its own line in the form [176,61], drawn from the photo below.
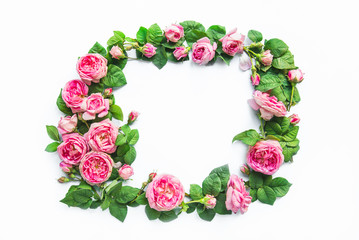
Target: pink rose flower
[232,42]
[294,119]
[255,79]
[102,136]
[174,33]
[74,94]
[91,68]
[203,51]
[149,50]
[67,124]
[73,148]
[245,62]
[132,117]
[268,106]
[95,104]
[295,76]
[165,193]
[180,52]
[96,167]
[237,197]
[65,167]
[116,52]
[265,156]
[125,172]
[267,58]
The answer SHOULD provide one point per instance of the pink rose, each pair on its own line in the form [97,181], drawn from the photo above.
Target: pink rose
[102,136]
[203,51]
[267,105]
[180,52]
[265,156]
[74,94]
[237,197]
[295,76]
[132,117]
[95,104]
[65,167]
[294,119]
[73,148]
[96,167]
[209,201]
[165,193]
[116,52]
[67,124]
[92,67]
[255,79]
[232,42]
[125,172]
[149,50]
[267,58]
[174,33]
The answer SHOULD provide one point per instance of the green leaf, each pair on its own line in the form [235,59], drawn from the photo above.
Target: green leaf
[284,62]
[192,25]
[211,185]
[118,37]
[194,35]
[116,112]
[119,211]
[255,179]
[288,152]
[114,173]
[142,35]
[172,45]
[52,147]
[151,213]
[253,193]
[82,195]
[154,34]
[279,94]
[142,200]
[96,88]
[293,143]
[195,192]
[95,204]
[160,58]
[267,179]
[249,137]
[266,195]
[226,58]
[220,207]
[106,203]
[115,189]
[98,48]
[130,155]
[255,36]
[280,186]
[205,214]
[291,135]
[123,149]
[268,81]
[216,32]
[52,132]
[223,174]
[168,216]
[126,129]
[120,140]
[276,46]
[127,194]
[62,105]
[114,77]
[133,137]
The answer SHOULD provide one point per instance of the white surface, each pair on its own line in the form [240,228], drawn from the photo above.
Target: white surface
[189,115]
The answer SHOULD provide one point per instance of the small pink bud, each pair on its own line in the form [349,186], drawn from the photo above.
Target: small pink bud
[294,119]
[108,92]
[116,52]
[244,169]
[151,176]
[209,201]
[63,180]
[295,76]
[255,79]
[65,167]
[125,172]
[148,50]
[266,58]
[181,52]
[132,117]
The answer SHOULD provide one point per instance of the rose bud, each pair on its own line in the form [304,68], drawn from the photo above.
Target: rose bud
[266,58]
[116,52]
[294,119]
[125,172]
[63,180]
[148,50]
[181,52]
[295,76]
[151,176]
[244,169]
[67,124]
[209,201]
[65,167]
[132,117]
[107,92]
[174,33]
[255,79]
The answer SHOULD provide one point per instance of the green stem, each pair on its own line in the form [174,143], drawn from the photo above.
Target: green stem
[95,192]
[291,97]
[194,201]
[132,58]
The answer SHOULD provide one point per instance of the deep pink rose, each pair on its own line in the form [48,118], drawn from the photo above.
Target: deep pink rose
[102,136]
[294,119]
[165,193]
[91,68]
[237,198]
[267,58]
[268,106]
[132,117]
[174,33]
[96,167]
[255,79]
[203,51]
[295,76]
[125,172]
[73,148]
[149,50]
[95,104]
[65,167]
[74,94]
[116,52]
[67,124]
[180,52]
[232,42]
[265,156]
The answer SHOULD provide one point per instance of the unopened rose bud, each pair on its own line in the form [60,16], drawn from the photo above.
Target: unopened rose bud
[132,117]
[125,172]
[63,180]
[151,176]
[245,170]
[65,167]
[255,79]
[294,119]
[209,201]
[107,92]
[148,50]
[295,76]
[128,47]
[67,124]
[72,175]
[116,52]
[181,52]
[266,58]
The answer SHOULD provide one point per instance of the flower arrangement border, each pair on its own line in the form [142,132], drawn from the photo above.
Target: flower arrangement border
[98,155]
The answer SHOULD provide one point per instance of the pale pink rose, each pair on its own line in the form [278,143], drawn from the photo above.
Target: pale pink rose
[180,52]
[237,198]
[73,148]
[74,94]
[268,106]
[203,51]
[102,136]
[67,124]
[209,201]
[149,50]
[294,119]
[96,167]
[174,33]
[132,117]
[95,104]
[295,76]
[265,156]
[245,62]
[116,52]
[165,193]
[65,167]
[244,169]
[125,172]
[267,58]
[255,79]
[91,68]
[232,42]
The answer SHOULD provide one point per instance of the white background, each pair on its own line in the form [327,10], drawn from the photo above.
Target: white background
[189,114]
